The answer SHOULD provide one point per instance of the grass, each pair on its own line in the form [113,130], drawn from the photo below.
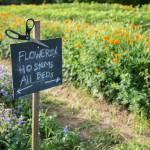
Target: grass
[131,145]
[51,101]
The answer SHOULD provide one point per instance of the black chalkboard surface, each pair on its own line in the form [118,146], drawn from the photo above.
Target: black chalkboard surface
[34,67]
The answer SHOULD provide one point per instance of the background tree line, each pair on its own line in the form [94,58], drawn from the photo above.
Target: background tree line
[124,2]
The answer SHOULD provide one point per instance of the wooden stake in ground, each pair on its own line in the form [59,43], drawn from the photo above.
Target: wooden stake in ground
[35,98]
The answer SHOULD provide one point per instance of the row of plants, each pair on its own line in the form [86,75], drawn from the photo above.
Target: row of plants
[91,13]
[16,121]
[114,62]
[138,2]
[109,59]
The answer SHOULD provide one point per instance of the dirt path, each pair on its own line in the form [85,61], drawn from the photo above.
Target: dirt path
[78,110]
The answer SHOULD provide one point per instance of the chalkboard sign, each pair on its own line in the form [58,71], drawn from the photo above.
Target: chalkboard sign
[34,67]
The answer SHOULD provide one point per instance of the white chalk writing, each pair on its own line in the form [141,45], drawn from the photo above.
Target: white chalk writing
[43,53]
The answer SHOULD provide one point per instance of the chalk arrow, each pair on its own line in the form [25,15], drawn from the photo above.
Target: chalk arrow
[19,90]
[55,80]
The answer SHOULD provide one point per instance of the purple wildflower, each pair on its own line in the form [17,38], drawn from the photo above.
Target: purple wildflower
[14,111]
[20,121]
[11,96]
[2,90]
[6,93]
[8,119]
[4,73]
[66,130]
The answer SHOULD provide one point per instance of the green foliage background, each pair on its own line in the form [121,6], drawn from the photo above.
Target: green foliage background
[124,2]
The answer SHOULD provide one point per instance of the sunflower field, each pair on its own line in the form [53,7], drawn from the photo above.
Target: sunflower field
[106,47]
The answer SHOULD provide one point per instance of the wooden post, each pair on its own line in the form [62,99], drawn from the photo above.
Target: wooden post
[35,98]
